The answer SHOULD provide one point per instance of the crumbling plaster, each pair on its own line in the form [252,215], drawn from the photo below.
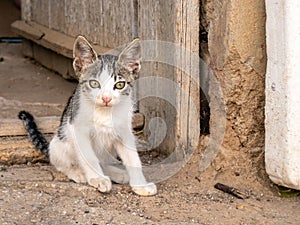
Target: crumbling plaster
[237,57]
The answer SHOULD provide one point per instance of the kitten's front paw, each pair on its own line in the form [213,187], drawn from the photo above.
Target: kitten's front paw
[145,190]
[103,184]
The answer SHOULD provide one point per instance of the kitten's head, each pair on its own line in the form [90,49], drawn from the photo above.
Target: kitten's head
[106,79]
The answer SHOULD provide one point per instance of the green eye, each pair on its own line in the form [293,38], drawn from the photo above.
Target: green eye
[94,84]
[120,85]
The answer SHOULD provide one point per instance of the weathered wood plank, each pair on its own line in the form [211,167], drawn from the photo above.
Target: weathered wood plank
[18,150]
[177,94]
[157,24]
[187,36]
[57,15]
[102,22]
[26,10]
[45,37]
[40,12]
[116,21]
[52,60]
[48,125]
[14,143]
[13,127]
[56,41]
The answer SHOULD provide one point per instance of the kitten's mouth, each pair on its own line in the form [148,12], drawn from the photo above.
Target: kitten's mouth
[106,101]
[106,105]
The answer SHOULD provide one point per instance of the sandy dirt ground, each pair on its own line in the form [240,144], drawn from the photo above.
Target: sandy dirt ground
[35,193]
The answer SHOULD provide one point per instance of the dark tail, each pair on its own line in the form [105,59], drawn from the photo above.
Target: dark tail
[35,136]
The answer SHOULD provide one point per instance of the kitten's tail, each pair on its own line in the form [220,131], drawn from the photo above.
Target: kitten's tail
[35,136]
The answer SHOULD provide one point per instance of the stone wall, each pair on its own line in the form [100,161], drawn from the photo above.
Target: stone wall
[236,52]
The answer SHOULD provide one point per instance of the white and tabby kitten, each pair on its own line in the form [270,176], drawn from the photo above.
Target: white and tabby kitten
[95,127]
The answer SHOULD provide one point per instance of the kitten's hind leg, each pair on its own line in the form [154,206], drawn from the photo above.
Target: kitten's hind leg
[64,160]
[117,173]
[76,175]
[113,167]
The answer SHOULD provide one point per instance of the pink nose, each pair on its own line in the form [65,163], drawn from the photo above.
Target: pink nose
[106,100]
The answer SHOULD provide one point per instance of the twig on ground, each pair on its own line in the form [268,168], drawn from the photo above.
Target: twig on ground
[230,190]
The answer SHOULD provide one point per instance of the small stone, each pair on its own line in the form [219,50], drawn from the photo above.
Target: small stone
[3,168]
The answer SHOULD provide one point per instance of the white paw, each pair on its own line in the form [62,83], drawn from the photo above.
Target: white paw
[103,184]
[145,190]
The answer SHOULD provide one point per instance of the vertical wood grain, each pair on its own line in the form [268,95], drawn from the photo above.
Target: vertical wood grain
[26,10]
[57,15]
[187,36]
[40,12]
[176,22]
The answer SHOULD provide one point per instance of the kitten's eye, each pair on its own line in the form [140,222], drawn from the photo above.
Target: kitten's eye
[120,85]
[94,84]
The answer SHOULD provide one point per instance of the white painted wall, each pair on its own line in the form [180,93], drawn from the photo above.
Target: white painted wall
[282,141]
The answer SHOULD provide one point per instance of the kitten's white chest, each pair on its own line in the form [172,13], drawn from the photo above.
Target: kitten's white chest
[103,118]
[104,132]
[112,117]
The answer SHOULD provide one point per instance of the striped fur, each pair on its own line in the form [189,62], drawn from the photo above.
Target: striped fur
[35,136]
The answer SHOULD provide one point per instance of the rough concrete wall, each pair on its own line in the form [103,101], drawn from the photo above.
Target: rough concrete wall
[236,46]
[282,155]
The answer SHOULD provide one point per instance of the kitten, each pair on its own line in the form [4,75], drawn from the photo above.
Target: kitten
[95,127]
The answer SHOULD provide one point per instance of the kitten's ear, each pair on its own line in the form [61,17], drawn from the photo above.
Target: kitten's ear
[130,57]
[83,54]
